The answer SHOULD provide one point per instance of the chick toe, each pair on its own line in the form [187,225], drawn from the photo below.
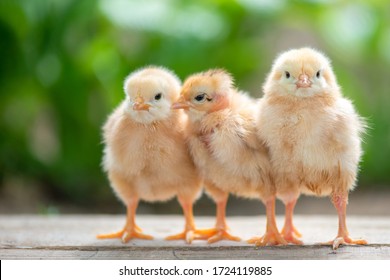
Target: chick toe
[291,235]
[217,234]
[110,235]
[131,234]
[187,235]
[125,235]
[269,238]
[346,240]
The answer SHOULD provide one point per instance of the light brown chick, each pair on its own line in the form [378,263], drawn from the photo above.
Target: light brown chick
[225,148]
[313,133]
[145,154]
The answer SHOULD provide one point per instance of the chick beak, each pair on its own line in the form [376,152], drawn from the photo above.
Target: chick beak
[139,104]
[180,104]
[303,81]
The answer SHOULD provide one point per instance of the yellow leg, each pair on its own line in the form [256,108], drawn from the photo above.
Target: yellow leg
[340,203]
[189,233]
[272,235]
[131,230]
[220,232]
[289,232]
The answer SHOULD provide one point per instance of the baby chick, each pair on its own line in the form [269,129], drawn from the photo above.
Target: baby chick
[145,153]
[225,148]
[313,133]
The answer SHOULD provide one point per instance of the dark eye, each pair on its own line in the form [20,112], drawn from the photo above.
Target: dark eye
[287,74]
[157,96]
[318,74]
[200,97]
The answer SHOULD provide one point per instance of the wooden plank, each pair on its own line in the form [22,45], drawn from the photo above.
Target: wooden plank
[73,237]
[168,253]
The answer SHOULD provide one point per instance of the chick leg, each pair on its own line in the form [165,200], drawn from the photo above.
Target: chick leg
[221,225]
[272,235]
[220,231]
[131,230]
[189,232]
[289,232]
[340,203]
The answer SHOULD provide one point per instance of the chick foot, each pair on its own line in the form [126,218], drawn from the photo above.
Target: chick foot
[190,233]
[289,232]
[187,235]
[131,229]
[272,235]
[220,231]
[340,203]
[125,235]
[216,234]
[344,240]
[269,238]
[291,235]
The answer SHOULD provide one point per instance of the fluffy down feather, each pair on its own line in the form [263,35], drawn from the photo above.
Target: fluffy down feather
[145,153]
[312,131]
[223,142]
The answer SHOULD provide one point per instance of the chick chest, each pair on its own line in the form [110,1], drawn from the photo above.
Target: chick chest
[153,159]
[150,149]
[305,137]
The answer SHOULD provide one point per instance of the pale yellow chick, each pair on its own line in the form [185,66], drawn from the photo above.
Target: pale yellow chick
[225,148]
[145,154]
[313,133]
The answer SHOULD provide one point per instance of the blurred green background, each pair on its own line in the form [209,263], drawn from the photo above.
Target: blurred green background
[63,64]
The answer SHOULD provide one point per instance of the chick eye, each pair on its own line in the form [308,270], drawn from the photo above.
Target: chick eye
[287,74]
[200,97]
[318,74]
[157,96]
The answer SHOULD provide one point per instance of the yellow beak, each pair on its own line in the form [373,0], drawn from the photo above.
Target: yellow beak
[180,104]
[140,105]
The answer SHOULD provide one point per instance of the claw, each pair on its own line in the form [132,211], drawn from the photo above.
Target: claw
[337,242]
[190,236]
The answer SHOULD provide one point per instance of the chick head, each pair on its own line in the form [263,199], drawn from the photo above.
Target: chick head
[150,93]
[206,92]
[301,72]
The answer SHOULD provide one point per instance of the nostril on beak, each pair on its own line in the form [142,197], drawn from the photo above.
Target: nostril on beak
[304,78]
[303,81]
[139,100]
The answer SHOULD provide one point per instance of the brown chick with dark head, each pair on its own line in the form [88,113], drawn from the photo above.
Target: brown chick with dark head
[145,154]
[313,133]
[226,150]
